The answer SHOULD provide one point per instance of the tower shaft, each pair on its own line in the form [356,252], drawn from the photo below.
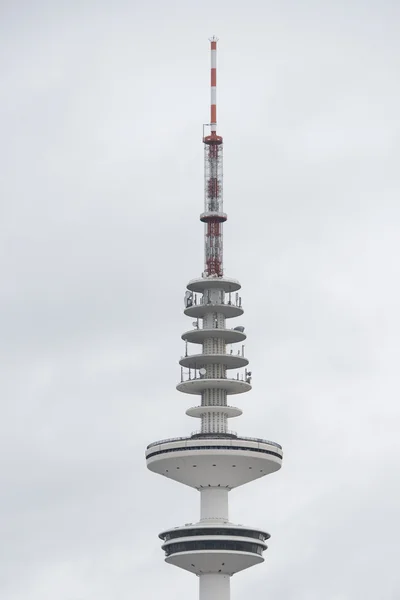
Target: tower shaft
[215,586]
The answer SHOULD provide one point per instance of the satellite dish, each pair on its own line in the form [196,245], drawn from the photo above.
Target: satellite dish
[239,328]
[202,371]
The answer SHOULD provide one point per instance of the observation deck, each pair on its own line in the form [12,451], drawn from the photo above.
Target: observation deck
[222,548]
[214,459]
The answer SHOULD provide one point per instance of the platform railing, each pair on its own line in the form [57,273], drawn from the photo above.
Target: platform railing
[199,299]
[230,353]
[215,435]
[166,441]
[199,327]
[190,375]
[260,440]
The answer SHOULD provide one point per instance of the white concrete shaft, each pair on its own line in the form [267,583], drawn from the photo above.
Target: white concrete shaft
[213,296]
[214,586]
[214,320]
[213,397]
[215,422]
[213,345]
[214,504]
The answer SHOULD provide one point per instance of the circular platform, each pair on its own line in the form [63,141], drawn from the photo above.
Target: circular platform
[221,217]
[225,528]
[220,548]
[211,283]
[229,311]
[198,361]
[199,385]
[197,336]
[215,560]
[200,463]
[223,548]
[229,411]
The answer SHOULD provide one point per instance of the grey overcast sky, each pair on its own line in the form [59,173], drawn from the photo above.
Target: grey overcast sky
[101,183]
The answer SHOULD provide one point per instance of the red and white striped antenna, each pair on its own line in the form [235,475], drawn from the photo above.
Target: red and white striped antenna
[213,119]
[213,215]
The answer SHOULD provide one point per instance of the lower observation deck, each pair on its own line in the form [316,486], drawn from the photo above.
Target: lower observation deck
[214,459]
[226,548]
[210,556]
[222,529]
[198,385]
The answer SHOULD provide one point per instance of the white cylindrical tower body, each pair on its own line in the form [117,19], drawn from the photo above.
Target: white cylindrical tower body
[215,586]
[214,504]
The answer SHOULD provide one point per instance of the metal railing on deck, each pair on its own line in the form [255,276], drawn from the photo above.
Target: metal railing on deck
[200,300]
[215,435]
[192,375]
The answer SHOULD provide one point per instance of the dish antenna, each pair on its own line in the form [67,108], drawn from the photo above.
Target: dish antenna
[202,371]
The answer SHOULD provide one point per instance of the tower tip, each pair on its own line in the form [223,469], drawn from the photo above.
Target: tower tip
[213,120]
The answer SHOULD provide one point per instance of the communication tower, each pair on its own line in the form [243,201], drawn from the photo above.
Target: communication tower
[214,460]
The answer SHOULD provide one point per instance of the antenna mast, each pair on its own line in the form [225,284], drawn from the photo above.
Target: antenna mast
[213,215]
